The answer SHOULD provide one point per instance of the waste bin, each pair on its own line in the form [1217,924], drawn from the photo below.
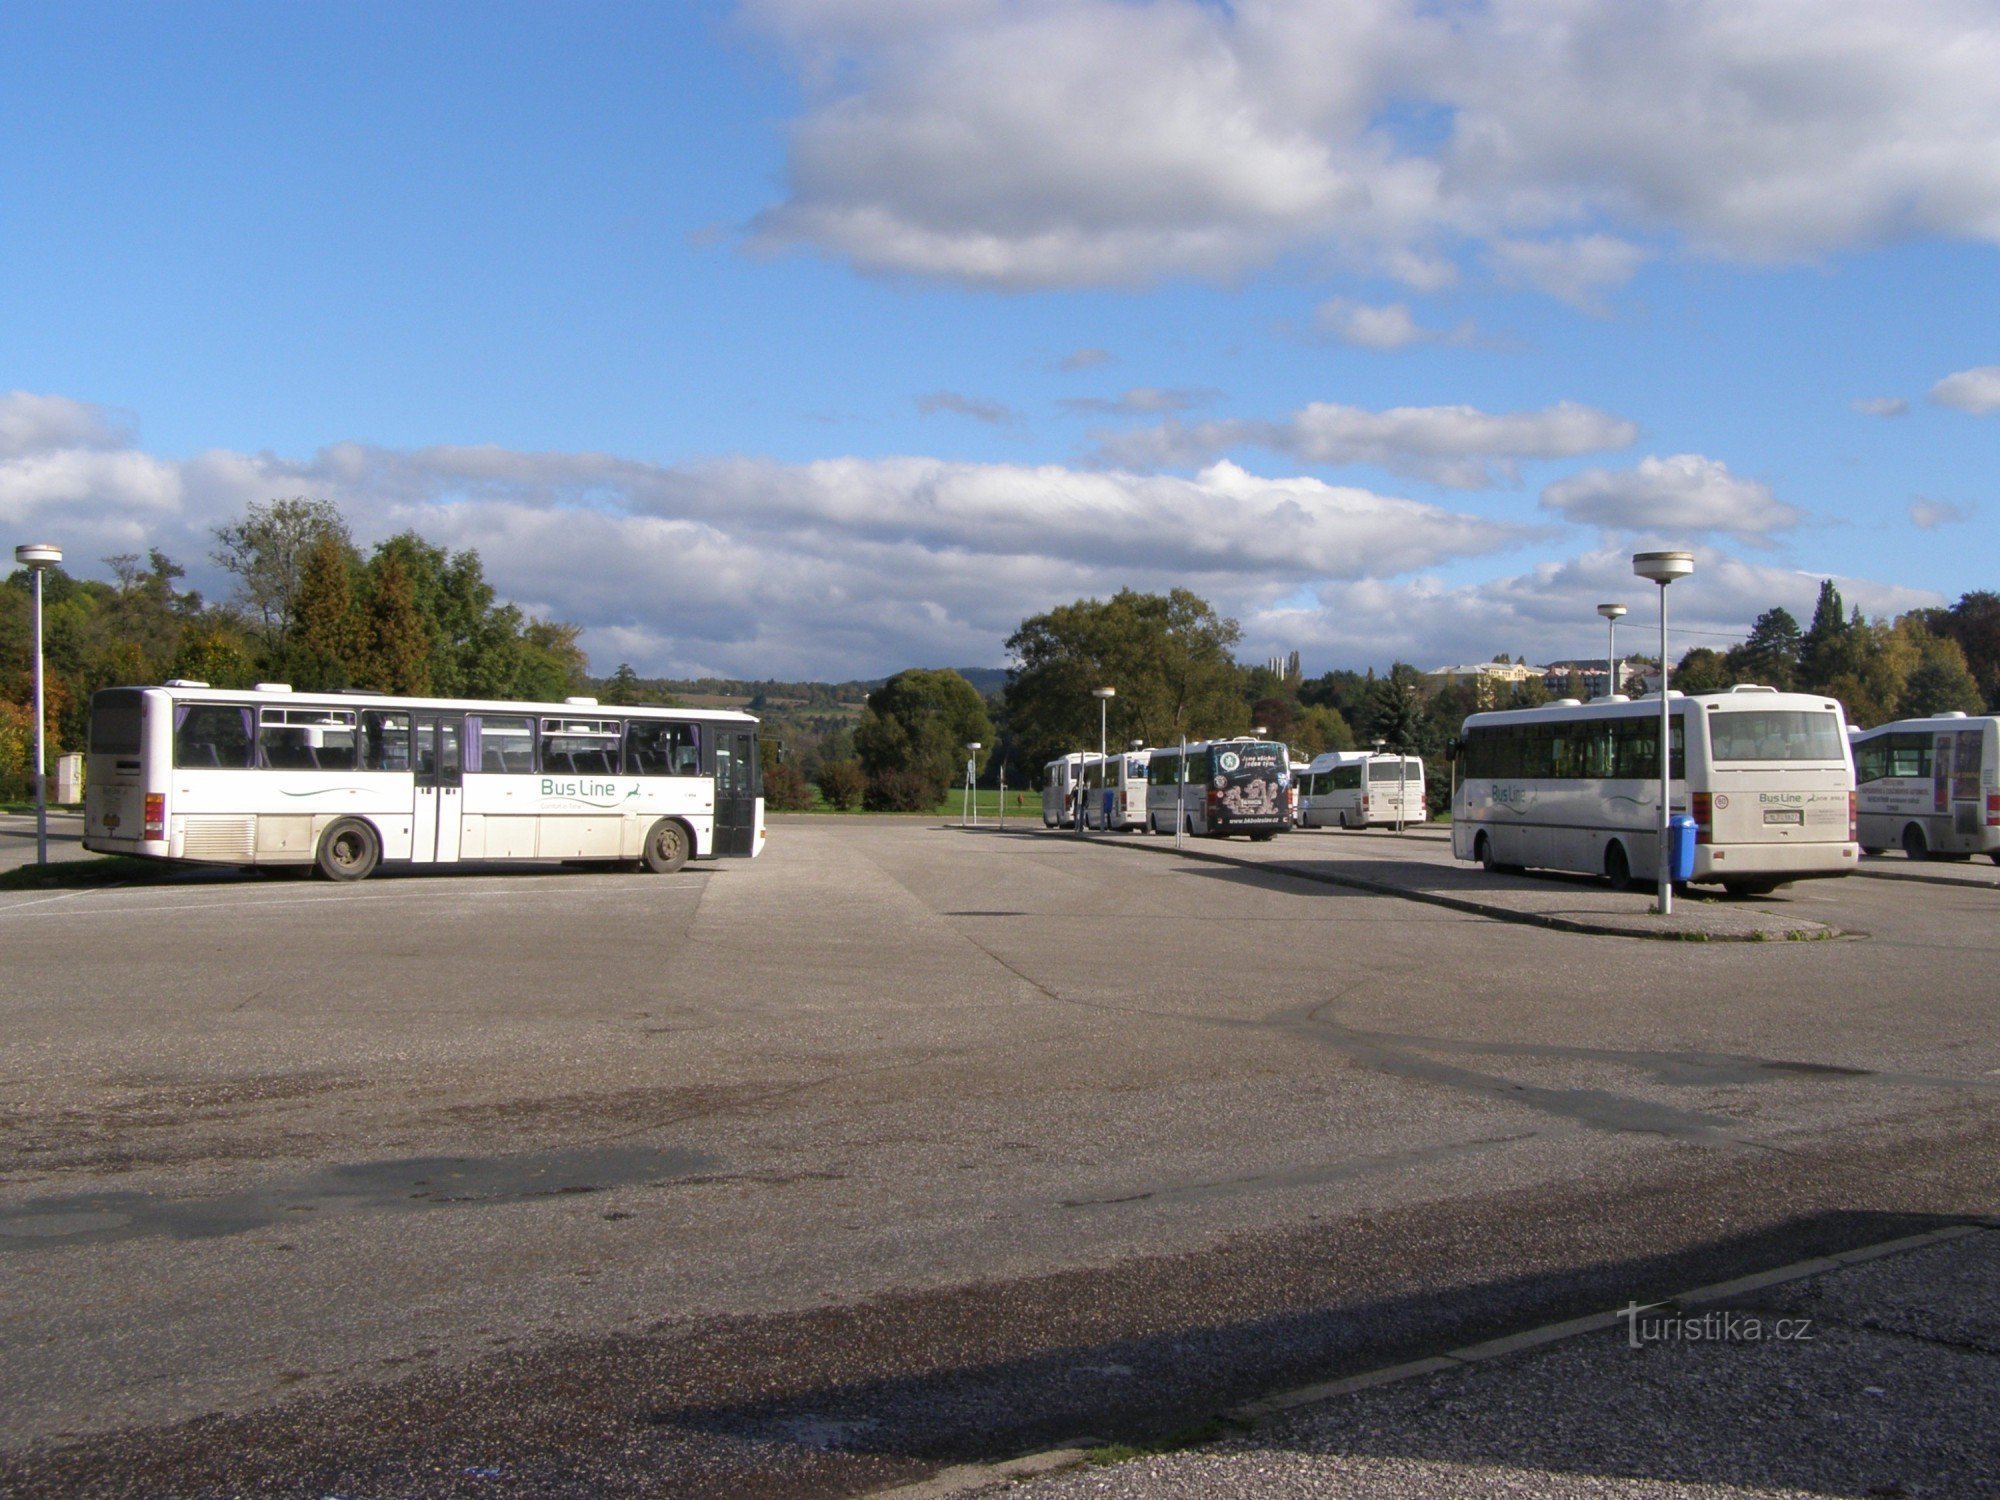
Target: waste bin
[1681,831]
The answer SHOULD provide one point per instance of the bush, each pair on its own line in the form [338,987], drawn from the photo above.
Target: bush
[903,791]
[786,789]
[842,784]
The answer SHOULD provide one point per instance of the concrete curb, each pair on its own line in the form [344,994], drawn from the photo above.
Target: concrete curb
[1463,903]
[970,1479]
[1945,880]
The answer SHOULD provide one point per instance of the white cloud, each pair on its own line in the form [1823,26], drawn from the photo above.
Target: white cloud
[1976,391]
[1683,494]
[1143,400]
[1016,143]
[1928,515]
[1385,327]
[994,413]
[1548,613]
[31,423]
[1459,446]
[1880,406]
[1577,271]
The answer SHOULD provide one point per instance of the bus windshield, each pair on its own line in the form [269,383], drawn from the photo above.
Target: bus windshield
[1775,734]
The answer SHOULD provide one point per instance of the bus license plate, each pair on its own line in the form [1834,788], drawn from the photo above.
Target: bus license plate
[1785,815]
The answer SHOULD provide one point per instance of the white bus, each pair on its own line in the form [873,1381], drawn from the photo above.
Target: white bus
[1221,787]
[1931,786]
[345,780]
[1569,786]
[1356,788]
[1114,790]
[1061,780]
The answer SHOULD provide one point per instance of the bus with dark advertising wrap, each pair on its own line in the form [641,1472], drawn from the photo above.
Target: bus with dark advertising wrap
[1221,787]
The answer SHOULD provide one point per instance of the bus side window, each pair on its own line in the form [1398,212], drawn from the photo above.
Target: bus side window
[1871,762]
[385,741]
[212,735]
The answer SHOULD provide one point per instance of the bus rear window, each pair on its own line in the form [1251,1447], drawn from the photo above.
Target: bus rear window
[114,721]
[1775,734]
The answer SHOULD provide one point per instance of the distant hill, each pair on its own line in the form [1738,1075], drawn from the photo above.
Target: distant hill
[837,698]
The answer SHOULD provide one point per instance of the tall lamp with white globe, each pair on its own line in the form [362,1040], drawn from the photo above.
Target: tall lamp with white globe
[1663,568]
[39,557]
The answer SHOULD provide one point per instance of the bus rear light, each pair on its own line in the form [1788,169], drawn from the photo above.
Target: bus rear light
[1704,817]
[1993,809]
[1853,817]
[156,815]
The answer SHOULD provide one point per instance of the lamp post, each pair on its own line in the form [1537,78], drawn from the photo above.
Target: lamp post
[971,770]
[1103,695]
[1612,613]
[1663,568]
[38,557]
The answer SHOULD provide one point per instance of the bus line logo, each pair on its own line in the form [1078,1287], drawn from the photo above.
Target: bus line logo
[1228,761]
[577,789]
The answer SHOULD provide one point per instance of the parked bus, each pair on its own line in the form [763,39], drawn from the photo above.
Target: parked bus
[1224,786]
[1569,786]
[1114,790]
[1930,786]
[345,780]
[1062,779]
[1357,788]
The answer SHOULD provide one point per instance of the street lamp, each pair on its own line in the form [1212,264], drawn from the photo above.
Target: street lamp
[1103,695]
[1612,613]
[38,557]
[971,805]
[1663,568]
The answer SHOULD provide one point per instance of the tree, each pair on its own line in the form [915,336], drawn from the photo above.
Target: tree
[1168,655]
[1827,649]
[917,725]
[267,550]
[398,653]
[1973,622]
[1393,711]
[1702,670]
[1771,655]
[843,783]
[1941,681]
[624,688]
[327,635]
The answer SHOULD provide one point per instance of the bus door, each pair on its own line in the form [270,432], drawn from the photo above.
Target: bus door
[440,787]
[735,791]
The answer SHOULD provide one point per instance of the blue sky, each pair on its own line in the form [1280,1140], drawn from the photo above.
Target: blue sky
[828,337]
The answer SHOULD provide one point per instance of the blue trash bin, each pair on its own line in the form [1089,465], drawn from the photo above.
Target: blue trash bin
[1681,831]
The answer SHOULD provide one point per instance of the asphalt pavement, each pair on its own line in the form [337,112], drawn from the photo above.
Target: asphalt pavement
[899,1149]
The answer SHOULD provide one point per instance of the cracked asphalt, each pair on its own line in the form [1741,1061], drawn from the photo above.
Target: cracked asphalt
[897,1147]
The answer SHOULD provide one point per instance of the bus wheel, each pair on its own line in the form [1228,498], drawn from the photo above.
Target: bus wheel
[1482,850]
[1751,887]
[1617,867]
[666,847]
[348,850]
[1262,838]
[1915,845]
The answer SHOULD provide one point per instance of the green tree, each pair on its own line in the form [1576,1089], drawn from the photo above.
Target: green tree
[1973,622]
[397,658]
[917,724]
[1941,681]
[327,635]
[267,550]
[1828,648]
[1702,670]
[1771,655]
[1168,655]
[843,784]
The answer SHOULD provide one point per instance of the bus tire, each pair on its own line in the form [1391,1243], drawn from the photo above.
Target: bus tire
[1617,866]
[1871,850]
[1482,850]
[1915,845]
[1751,887]
[1263,837]
[666,848]
[349,850]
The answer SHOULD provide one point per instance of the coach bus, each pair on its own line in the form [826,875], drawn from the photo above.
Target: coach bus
[1570,786]
[1221,787]
[1062,778]
[343,781]
[1358,788]
[1930,786]
[1114,790]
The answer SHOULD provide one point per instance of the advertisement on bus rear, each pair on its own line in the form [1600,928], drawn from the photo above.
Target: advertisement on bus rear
[1248,787]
